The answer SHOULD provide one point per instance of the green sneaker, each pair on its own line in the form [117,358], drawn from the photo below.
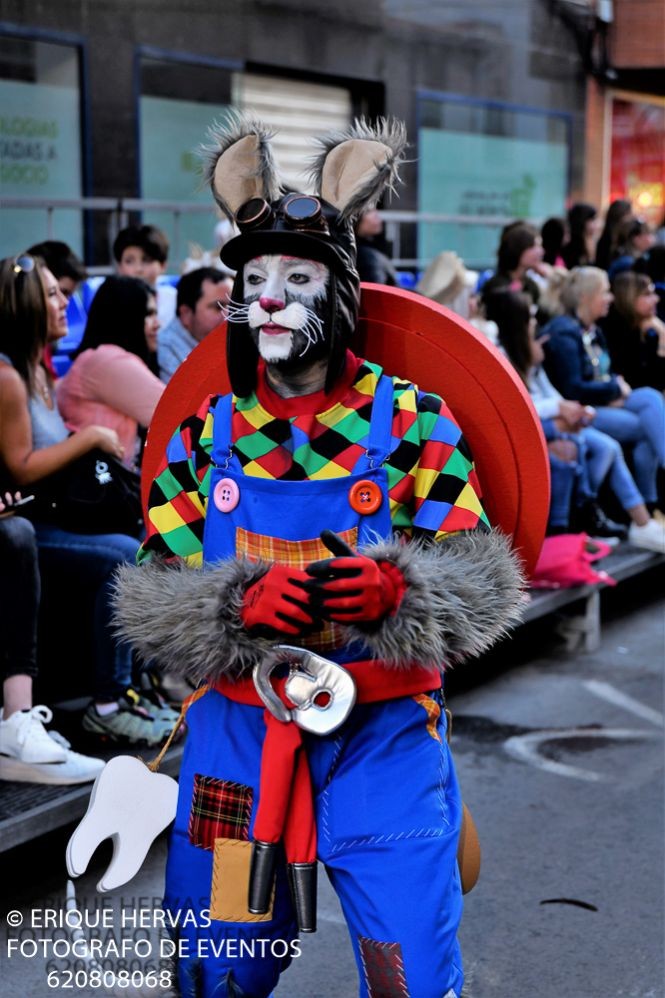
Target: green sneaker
[129,723]
[151,696]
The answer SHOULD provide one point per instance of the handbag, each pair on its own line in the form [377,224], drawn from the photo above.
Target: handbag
[566,560]
[95,494]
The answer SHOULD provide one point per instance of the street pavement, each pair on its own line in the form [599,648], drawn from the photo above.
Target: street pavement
[560,759]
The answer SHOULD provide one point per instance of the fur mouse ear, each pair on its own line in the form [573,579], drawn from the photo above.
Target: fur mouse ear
[238,163]
[358,164]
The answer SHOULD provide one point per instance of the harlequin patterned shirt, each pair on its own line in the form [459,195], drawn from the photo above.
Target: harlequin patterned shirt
[432,484]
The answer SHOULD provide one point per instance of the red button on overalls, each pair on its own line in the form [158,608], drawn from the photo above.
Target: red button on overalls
[365,497]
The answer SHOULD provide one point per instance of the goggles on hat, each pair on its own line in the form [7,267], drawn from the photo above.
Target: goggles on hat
[300,212]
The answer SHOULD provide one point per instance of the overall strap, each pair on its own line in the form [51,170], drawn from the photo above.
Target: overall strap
[222,440]
[381,425]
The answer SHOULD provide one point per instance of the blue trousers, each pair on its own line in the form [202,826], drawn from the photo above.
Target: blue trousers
[388,814]
[599,456]
[20,588]
[641,423]
[93,558]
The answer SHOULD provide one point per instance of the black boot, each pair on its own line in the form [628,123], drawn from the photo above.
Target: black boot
[591,519]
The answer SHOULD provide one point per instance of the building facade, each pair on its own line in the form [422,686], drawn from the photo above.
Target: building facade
[110,99]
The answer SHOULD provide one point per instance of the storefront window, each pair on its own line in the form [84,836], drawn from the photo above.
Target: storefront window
[487,160]
[40,140]
[638,156]
[179,101]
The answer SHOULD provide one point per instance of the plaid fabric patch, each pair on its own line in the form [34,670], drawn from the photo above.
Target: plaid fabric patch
[297,554]
[384,969]
[220,809]
[433,712]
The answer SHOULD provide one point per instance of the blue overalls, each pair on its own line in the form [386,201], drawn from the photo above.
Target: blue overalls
[386,799]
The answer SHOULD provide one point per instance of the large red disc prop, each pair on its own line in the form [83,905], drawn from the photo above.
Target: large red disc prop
[423,342]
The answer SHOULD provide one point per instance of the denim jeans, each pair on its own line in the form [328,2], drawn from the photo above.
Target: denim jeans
[19,598]
[563,477]
[92,559]
[605,456]
[640,422]
[598,455]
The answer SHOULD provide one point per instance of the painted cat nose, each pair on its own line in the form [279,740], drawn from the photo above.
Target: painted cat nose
[271,304]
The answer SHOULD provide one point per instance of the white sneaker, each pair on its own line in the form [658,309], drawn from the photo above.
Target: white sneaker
[651,536]
[19,740]
[23,737]
[74,768]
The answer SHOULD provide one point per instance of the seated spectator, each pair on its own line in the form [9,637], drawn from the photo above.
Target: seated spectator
[35,443]
[200,307]
[634,333]
[583,225]
[549,303]
[448,282]
[659,234]
[617,213]
[111,381]
[580,456]
[578,364]
[28,752]
[143,251]
[634,239]
[653,265]
[554,233]
[520,265]
[68,271]
[374,263]
[63,263]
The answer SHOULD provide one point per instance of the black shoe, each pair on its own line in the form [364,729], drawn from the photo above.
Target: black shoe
[592,520]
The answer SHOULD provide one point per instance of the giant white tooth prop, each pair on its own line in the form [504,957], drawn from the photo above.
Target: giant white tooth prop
[129,804]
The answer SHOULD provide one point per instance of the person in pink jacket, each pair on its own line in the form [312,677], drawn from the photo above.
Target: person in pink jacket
[112,381]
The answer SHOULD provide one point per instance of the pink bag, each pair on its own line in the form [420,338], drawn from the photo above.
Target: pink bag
[566,561]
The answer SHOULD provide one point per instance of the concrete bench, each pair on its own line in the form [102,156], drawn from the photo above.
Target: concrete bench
[579,624]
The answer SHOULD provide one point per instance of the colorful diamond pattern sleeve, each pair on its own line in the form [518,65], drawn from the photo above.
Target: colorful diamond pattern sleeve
[433,487]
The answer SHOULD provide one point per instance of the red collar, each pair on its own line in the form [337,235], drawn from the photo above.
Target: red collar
[305,405]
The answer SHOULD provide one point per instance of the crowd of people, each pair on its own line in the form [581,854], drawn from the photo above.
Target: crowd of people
[578,312]
[137,332]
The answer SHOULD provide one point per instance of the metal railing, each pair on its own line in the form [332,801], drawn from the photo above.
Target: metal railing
[119,209]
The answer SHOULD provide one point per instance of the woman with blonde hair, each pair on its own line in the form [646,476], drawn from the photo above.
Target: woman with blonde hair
[35,443]
[578,364]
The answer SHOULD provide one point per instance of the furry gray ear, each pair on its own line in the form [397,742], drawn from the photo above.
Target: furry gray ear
[238,163]
[358,164]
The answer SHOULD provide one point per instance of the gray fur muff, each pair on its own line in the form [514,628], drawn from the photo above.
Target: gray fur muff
[461,597]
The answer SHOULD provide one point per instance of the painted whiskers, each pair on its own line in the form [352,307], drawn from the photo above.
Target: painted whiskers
[296,316]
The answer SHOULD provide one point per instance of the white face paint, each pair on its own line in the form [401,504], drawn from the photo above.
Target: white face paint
[284,301]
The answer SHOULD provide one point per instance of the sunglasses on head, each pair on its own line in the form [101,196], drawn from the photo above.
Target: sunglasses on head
[23,264]
[301,212]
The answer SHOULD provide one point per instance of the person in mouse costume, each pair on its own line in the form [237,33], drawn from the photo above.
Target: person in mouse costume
[316,554]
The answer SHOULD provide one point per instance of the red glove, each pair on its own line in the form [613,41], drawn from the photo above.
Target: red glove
[278,601]
[355,588]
